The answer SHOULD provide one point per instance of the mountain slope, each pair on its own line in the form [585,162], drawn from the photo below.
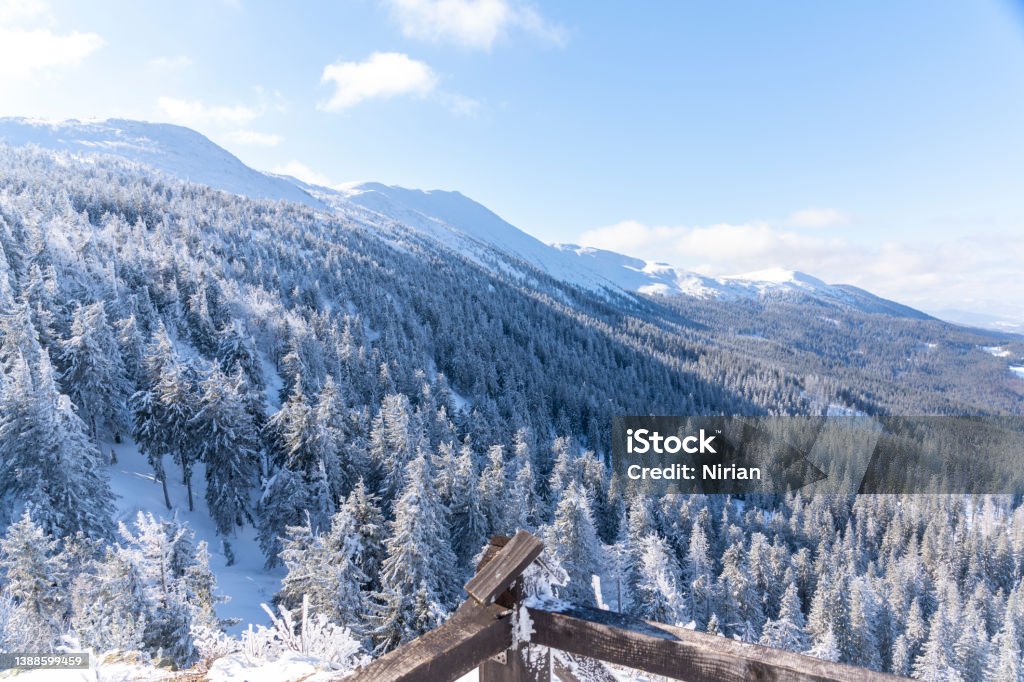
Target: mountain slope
[180,152]
[450,218]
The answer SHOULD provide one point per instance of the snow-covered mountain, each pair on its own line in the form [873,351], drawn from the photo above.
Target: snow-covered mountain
[450,218]
[178,151]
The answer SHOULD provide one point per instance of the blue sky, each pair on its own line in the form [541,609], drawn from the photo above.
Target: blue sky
[876,143]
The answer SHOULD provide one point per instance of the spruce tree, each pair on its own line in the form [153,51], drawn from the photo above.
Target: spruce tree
[94,373]
[1006,661]
[466,520]
[109,609]
[32,579]
[47,462]
[658,596]
[226,442]
[416,577]
[494,493]
[572,538]
[787,631]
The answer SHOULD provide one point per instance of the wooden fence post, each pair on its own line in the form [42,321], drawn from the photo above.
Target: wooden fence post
[521,662]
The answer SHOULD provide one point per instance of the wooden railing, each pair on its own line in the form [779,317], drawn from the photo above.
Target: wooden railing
[480,635]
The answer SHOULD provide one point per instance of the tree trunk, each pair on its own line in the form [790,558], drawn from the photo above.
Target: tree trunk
[163,482]
[188,486]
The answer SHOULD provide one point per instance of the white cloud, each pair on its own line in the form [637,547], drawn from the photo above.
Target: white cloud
[30,48]
[475,24]
[383,75]
[817,217]
[252,138]
[977,272]
[460,105]
[195,113]
[299,170]
[16,11]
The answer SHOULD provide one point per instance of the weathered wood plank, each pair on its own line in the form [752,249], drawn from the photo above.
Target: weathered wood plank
[528,664]
[498,574]
[472,635]
[583,669]
[491,550]
[681,654]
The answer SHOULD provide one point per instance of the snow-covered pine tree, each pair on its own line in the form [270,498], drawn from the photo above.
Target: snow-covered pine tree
[236,351]
[227,443]
[864,622]
[908,644]
[392,444]
[109,608]
[698,571]
[658,596]
[345,550]
[740,605]
[1006,660]
[94,374]
[369,528]
[829,614]
[825,646]
[523,497]
[468,527]
[563,472]
[31,575]
[494,493]
[162,411]
[936,664]
[971,649]
[200,586]
[47,462]
[155,548]
[298,491]
[133,352]
[787,631]
[419,558]
[572,538]
[331,434]
[323,568]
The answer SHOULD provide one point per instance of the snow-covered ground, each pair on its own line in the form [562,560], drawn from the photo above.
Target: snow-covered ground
[246,582]
[1019,371]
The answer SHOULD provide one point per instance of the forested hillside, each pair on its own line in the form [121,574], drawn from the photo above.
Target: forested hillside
[370,405]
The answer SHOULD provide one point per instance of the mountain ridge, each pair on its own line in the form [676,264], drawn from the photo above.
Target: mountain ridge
[446,216]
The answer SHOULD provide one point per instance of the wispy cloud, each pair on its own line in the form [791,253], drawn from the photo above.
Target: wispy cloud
[299,170]
[461,105]
[817,217]
[383,75]
[30,47]
[252,138]
[473,24]
[196,113]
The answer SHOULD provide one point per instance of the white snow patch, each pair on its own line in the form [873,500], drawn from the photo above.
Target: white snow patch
[1017,370]
[247,582]
[462,403]
[997,351]
[274,382]
[595,584]
[289,667]
[522,626]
